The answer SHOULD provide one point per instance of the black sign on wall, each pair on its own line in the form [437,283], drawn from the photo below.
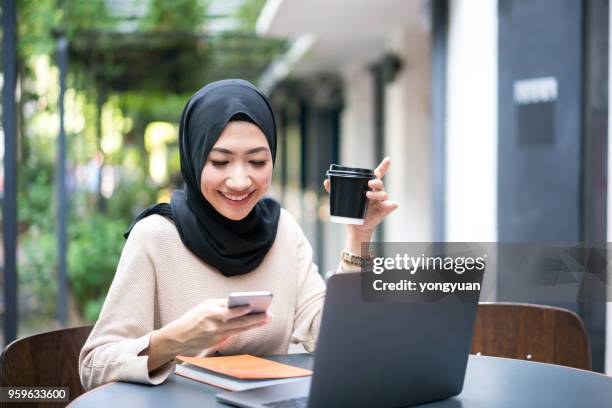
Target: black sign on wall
[535,101]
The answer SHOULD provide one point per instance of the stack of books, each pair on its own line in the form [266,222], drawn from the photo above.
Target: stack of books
[237,373]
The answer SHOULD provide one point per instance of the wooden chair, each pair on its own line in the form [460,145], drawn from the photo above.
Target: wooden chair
[531,332]
[45,360]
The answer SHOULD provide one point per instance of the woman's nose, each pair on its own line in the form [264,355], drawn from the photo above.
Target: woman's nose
[239,180]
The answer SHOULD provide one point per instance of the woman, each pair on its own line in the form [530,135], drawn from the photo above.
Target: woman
[217,236]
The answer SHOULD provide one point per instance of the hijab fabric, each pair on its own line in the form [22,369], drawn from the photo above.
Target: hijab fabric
[232,247]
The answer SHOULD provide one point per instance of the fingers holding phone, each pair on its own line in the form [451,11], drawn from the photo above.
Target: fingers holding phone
[212,322]
[247,310]
[246,322]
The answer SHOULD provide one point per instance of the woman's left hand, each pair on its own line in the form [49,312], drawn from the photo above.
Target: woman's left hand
[379,205]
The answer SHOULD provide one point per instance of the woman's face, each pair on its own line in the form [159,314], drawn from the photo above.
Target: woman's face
[238,170]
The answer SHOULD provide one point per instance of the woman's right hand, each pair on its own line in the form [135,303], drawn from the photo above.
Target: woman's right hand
[207,325]
[211,323]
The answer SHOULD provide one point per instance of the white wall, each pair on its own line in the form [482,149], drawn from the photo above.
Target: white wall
[407,137]
[357,118]
[471,130]
[471,126]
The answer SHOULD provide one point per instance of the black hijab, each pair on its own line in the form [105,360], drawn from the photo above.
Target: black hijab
[232,247]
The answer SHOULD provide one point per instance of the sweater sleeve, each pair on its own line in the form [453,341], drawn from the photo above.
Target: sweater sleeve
[309,298]
[125,324]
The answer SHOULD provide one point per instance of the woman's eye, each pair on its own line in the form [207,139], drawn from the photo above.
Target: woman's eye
[258,163]
[218,163]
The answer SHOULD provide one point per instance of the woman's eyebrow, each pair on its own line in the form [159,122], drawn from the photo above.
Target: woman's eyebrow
[250,151]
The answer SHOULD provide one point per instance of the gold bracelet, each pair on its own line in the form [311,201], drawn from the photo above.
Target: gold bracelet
[357,260]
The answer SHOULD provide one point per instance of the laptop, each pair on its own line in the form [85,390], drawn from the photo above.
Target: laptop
[376,354]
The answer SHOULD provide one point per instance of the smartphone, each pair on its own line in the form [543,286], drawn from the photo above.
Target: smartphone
[259,301]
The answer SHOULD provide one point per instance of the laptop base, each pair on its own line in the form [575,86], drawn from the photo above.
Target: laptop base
[257,397]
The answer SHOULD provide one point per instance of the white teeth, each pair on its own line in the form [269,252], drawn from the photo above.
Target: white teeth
[235,198]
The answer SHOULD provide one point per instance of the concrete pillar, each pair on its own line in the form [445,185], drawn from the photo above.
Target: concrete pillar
[471,125]
[407,137]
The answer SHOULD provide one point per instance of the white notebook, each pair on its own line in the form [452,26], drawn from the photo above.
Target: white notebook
[226,382]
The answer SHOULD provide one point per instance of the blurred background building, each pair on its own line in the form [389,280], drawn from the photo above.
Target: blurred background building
[494,113]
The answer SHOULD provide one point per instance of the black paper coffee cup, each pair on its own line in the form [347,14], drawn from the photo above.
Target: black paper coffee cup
[347,196]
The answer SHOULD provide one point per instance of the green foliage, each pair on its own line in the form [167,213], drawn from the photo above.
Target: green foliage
[95,246]
[93,308]
[176,15]
[153,106]
[91,14]
[37,274]
[129,198]
[248,13]
[38,19]
[35,197]
[165,73]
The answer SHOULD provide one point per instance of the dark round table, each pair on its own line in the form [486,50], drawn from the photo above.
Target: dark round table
[489,382]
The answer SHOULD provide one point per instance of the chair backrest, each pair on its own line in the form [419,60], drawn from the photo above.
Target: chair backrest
[48,359]
[531,332]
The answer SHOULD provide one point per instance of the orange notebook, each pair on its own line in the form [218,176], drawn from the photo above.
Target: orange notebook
[245,366]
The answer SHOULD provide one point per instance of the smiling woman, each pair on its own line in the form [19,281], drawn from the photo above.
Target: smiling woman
[220,234]
[238,171]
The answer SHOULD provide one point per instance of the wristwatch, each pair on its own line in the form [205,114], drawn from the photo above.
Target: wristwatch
[357,260]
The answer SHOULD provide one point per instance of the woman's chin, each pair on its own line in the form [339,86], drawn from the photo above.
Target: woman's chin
[235,214]
[234,210]
[235,217]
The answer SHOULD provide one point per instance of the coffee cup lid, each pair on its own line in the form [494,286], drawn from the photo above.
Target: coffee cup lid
[336,169]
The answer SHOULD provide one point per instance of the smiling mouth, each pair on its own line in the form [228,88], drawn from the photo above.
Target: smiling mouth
[236,198]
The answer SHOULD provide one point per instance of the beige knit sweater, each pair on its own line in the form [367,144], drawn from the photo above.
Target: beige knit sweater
[158,279]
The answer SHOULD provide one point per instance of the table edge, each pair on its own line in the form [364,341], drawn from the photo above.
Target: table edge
[469,356]
[91,391]
[540,362]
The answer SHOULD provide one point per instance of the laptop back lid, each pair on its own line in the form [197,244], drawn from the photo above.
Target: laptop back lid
[388,354]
